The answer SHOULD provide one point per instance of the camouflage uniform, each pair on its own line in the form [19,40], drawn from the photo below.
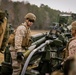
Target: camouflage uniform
[20,34]
[72,47]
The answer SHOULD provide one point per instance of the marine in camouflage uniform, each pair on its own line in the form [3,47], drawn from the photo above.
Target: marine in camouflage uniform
[22,35]
[71,45]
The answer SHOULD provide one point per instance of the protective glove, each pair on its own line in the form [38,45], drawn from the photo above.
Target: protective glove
[20,56]
[58,66]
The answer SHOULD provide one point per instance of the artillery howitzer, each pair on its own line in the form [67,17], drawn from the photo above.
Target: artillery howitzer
[43,50]
[47,51]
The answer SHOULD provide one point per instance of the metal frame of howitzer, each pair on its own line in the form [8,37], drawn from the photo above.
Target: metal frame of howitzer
[46,43]
[31,54]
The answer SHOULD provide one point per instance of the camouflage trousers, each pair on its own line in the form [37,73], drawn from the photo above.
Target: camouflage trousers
[15,64]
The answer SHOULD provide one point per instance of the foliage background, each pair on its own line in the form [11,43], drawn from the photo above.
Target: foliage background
[17,10]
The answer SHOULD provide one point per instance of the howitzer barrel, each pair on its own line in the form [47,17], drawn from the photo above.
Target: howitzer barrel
[32,47]
[31,54]
[39,41]
[37,36]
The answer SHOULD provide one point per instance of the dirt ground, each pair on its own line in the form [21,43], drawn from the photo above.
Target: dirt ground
[32,32]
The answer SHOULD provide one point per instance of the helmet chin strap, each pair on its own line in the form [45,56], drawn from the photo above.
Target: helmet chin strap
[28,25]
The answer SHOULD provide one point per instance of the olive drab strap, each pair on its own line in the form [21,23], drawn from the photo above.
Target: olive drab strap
[2,30]
[66,50]
[11,39]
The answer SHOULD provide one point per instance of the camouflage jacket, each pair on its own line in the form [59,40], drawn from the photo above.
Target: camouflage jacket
[22,36]
[71,47]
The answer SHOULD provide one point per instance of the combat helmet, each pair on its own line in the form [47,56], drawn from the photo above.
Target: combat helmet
[30,16]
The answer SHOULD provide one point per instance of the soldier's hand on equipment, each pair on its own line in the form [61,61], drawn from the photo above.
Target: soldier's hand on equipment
[69,57]
[20,56]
